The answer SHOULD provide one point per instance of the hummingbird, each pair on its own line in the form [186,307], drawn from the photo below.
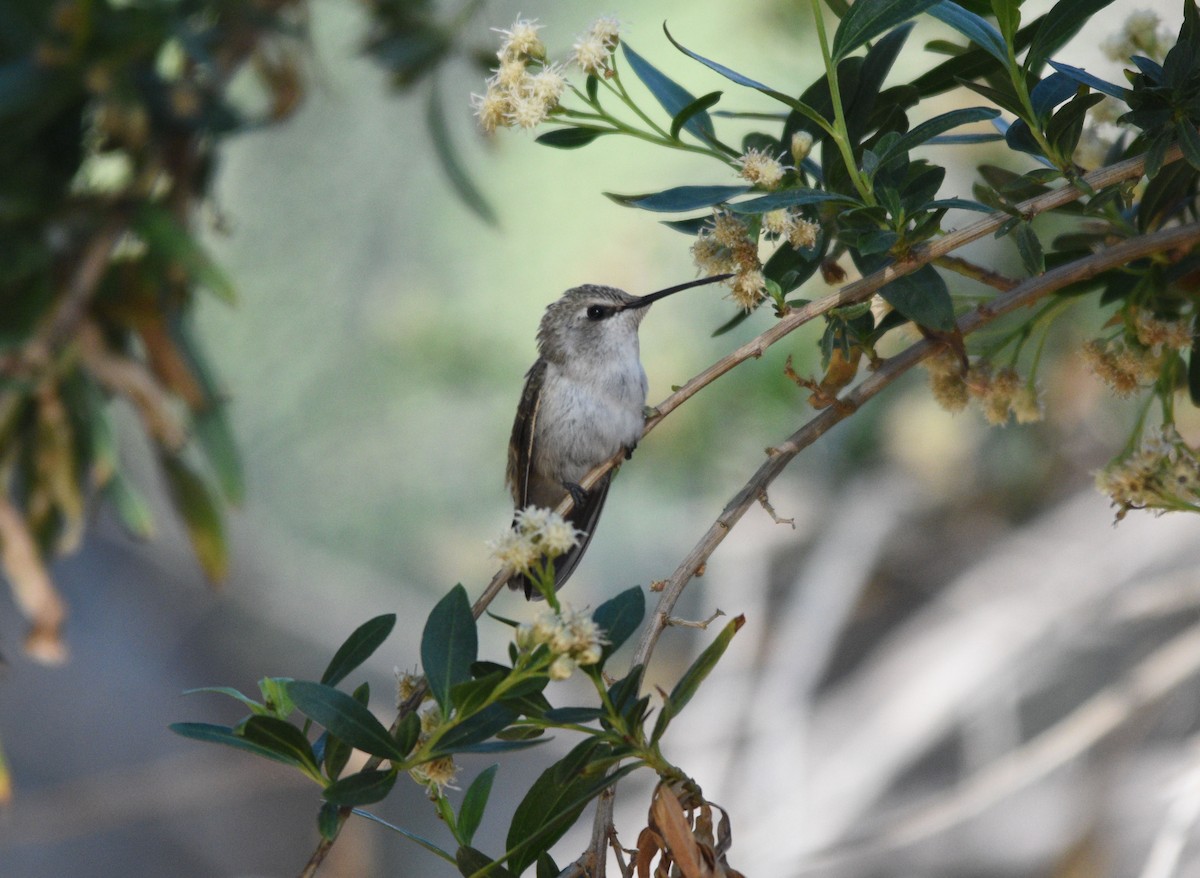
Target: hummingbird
[584,401]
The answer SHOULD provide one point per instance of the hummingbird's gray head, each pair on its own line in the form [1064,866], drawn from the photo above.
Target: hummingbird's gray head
[595,321]
[589,321]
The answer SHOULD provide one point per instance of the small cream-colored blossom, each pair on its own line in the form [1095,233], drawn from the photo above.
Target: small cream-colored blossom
[589,655]
[492,108]
[1162,475]
[607,30]
[1124,368]
[803,234]
[801,146]
[437,774]
[749,288]
[1155,333]
[521,41]
[532,519]
[510,75]
[561,668]
[516,550]
[406,685]
[548,85]
[710,257]
[559,537]
[1027,406]
[946,380]
[431,718]
[728,230]
[761,169]
[527,111]
[778,222]
[590,53]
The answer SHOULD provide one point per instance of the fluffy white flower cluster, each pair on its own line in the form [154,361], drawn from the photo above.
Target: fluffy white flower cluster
[572,636]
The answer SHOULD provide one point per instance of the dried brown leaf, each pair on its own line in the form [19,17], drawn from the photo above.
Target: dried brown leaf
[32,589]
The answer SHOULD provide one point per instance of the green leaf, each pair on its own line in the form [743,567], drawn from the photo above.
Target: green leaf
[411,836]
[570,138]
[130,505]
[345,718]
[1008,17]
[283,738]
[470,814]
[336,756]
[364,788]
[214,734]
[469,696]
[699,106]
[254,706]
[935,126]
[672,96]
[1189,142]
[732,323]
[171,241]
[789,198]
[1066,126]
[212,430]
[329,821]
[474,863]
[1030,248]
[690,682]
[546,867]
[476,729]
[275,696]
[974,28]
[555,801]
[1003,97]
[408,732]
[1084,78]
[680,198]
[619,617]
[196,505]
[358,647]
[799,106]
[573,715]
[868,19]
[534,738]
[447,153]
[1062,22]
[923,298]
[449,645]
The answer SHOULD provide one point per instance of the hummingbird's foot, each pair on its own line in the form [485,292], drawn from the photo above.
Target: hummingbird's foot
[578,494]
[629,451]
[649,411]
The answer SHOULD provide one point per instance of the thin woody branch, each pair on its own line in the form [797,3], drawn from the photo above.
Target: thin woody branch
[889,370]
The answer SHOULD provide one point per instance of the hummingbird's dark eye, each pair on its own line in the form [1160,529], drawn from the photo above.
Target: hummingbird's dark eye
[598,312]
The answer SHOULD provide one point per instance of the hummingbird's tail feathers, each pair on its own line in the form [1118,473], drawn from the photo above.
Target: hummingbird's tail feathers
[583,517]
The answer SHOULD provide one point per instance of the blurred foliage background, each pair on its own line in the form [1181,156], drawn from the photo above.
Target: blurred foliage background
[369,371]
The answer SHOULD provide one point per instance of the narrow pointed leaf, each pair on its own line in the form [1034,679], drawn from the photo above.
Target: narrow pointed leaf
[570,138]
[867,19]
[937,125]
[364,788]
[673,97]
[201,514]
[345,718]
[974,28]
[474,802]
[281,737]
[400,830]
[449,644]
[329,821]
[1083,77]
[799,106]
[254,706]
[690,682]
[1062,22]
[697,107]
[1030,248]
[1189,142]
[358,648]
[788,198]
[472,862]
[923,298]
[619,617]
[215,734]
[680,198]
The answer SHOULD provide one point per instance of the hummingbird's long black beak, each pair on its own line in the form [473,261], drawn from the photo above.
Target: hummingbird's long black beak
[643,301]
